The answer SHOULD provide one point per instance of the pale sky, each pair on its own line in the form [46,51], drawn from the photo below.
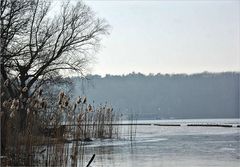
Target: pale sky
[169,36]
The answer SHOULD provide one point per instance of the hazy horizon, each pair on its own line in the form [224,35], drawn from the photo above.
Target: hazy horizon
[173,73]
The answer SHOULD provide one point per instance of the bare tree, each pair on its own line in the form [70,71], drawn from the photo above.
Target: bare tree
[36,44]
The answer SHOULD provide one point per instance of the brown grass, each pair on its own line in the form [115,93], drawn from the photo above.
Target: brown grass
[43,141]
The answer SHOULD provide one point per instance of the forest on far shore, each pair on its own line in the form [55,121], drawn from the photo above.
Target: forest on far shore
[165,96]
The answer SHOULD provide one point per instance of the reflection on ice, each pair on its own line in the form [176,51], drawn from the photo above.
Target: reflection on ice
[119,142]
[156,146]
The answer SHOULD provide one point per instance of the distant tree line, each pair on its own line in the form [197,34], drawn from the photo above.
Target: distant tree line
[164,96]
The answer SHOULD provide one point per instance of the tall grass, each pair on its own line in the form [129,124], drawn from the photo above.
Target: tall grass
[132,129]
[54,134]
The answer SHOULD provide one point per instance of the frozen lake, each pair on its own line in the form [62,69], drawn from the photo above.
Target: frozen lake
[157,146]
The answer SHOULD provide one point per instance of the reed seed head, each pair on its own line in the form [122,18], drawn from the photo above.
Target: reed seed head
[5,104]
[6,83]
[15,104]
[28,111]
[12,115]
[84,100]
[79,100]
[25,89]
[66,103]
[29,100]
[61,95]
[90,109]
[74,107]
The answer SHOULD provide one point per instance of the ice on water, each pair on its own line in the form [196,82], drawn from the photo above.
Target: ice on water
[165,146]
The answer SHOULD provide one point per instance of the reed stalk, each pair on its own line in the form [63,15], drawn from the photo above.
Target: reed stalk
[42,142]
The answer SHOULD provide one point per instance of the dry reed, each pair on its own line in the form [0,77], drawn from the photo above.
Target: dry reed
[49,129]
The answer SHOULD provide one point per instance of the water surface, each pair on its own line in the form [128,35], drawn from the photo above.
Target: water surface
[156,146]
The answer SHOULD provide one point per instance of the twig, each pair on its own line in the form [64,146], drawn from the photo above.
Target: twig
[90,160]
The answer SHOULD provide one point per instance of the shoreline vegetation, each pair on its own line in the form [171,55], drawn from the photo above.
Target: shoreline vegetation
[43,139]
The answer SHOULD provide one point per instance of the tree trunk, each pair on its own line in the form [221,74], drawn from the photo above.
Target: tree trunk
[23,100]
[23,111]
[3,133]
